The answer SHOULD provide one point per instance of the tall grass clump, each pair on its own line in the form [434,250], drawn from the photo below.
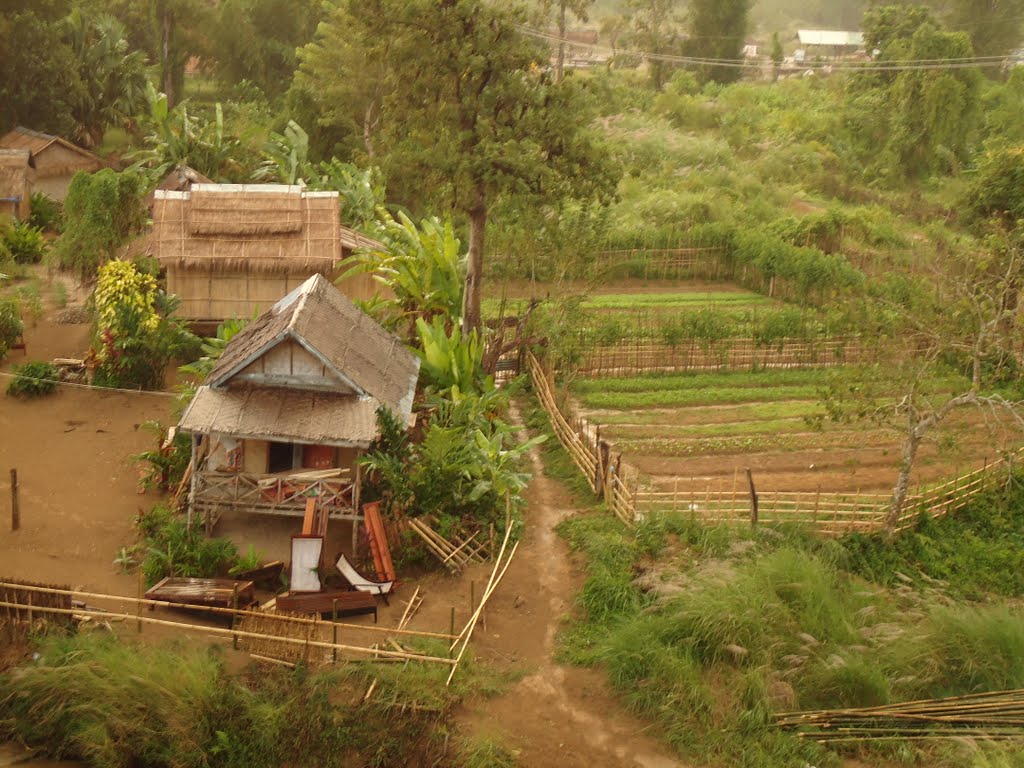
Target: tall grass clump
[976,552]
[116,705]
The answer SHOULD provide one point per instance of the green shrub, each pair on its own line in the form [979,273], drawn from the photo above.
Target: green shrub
[11,325]
[46,212]
[34,379]
[171,548]
[102,212]
[24,243]
[110,704]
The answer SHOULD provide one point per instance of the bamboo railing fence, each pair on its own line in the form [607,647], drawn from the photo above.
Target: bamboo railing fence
[635,356]
[24,602]
[828,513]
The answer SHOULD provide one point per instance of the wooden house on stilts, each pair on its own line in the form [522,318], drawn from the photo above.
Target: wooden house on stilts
[292,404]
[232,250]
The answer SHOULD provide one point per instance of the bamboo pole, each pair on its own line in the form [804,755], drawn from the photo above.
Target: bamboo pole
[483,603]
[213,609]
[220,631]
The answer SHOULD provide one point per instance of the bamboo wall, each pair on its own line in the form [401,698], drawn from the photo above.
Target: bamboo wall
[221,295]
[632,357]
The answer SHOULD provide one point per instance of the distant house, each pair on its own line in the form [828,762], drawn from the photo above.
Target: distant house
[292,404]
[837,42]
[56,160]
[231,250]
[17,179]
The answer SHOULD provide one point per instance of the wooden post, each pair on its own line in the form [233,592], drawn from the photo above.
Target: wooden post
[732,500]
[334,630]
[356,504]
[603,463]
[15,509]
[28,602]
[234,616]
[451,630]
[817,502]
[753,499]
[138,605]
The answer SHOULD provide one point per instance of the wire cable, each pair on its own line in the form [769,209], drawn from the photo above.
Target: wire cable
[867,66]
[161,392]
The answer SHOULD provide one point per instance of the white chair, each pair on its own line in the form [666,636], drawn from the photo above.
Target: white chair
[352,576]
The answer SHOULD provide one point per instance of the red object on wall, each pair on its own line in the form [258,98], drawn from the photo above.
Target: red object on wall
[318,457]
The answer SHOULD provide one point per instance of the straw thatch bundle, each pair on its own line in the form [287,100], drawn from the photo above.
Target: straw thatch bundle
[257,228]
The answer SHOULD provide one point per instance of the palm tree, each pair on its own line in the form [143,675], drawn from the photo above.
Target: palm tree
[113,76]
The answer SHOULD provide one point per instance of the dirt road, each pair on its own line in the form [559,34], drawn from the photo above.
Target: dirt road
[556,715]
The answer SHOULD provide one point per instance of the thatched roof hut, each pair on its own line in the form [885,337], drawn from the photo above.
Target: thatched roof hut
[17,178]
[320,366]
[230,250]
[297,391]
[56,160]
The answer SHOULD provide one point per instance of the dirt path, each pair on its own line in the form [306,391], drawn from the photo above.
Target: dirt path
[556,715]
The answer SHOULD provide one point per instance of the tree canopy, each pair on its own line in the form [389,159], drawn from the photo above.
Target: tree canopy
[467,113]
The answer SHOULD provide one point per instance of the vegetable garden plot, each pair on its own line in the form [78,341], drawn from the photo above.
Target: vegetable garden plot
[631,494]
[709,427]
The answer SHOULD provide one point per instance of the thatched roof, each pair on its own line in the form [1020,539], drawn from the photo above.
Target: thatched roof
[36,143]
[15,174]
[283,415]
[268,228]
[369,364]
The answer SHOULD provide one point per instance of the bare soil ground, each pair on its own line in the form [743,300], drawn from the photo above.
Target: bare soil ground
[78,497]
[556,715]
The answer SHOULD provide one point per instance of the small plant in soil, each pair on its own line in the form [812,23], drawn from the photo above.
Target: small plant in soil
[34,379]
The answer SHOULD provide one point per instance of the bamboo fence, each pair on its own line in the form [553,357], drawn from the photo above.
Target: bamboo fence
[631,357]
[827,513]
[258,630]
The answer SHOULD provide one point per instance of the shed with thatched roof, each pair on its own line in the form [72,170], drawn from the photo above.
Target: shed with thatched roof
[230,250]
[292,403]
[56,160]
[17,178]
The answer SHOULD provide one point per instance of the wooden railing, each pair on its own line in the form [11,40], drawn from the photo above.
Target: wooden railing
[830,514]
[272,494]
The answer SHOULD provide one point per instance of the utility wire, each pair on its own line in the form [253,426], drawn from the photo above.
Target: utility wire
[871,66]
[23,377]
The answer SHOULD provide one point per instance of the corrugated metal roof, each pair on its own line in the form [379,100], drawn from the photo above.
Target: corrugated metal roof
[831,37]
[283,415]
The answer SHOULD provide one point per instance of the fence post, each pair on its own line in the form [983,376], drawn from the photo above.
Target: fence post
[334,633]
[15,509]
[603,465]
[753,499]
[138,605]
[234,615]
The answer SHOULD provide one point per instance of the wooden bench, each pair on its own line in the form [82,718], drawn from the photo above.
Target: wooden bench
[323,603]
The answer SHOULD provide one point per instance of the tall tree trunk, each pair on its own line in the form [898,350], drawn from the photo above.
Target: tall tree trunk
[166,37]
[475,262]
[899,493]
[560,66]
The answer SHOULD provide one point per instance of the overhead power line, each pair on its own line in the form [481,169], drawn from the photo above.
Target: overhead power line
[835,66]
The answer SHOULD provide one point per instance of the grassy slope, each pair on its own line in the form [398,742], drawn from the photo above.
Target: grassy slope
[707,631]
